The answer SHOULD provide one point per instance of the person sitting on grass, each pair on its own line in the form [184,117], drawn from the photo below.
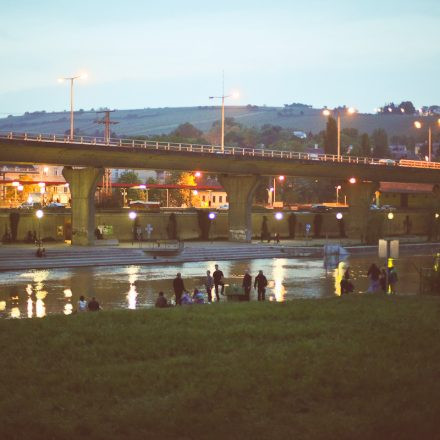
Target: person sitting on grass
[161,301]
[198,297]
[186,299]
[93,305]
[82,304]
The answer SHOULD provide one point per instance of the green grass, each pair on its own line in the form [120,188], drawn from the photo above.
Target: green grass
[351,368]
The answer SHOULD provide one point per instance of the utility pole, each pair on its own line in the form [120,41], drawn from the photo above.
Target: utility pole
[106,180]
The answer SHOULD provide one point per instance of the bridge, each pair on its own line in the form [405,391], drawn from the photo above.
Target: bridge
[239,170]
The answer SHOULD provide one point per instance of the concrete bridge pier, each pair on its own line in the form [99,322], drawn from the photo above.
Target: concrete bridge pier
[360,195]
[82,183]
[240,190]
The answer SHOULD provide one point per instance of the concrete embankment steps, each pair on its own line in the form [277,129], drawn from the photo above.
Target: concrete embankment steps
[24,258]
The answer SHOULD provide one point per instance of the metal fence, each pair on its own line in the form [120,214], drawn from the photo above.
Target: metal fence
[213,149]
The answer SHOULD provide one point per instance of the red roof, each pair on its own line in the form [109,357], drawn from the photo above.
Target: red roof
[408,188]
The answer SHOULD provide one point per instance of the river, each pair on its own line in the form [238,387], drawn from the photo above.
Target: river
[37,293]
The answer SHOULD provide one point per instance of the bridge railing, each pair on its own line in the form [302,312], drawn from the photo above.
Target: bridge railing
[213,149]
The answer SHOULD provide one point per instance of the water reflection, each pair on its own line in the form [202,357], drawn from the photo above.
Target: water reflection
[132,294]
[38,293]
[278,274]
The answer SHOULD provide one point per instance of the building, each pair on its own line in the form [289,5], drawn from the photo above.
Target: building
[405,195]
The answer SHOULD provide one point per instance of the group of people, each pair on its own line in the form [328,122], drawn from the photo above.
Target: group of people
[214,282]
[88,306]
[384,280]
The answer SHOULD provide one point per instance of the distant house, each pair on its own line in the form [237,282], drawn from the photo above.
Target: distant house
[300,134]
[404,195]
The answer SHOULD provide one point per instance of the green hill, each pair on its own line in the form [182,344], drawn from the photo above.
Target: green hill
[151,121]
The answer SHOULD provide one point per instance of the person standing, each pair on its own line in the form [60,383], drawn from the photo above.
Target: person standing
[260,284]
[247,285]
[209,284]
[392,279]
[373,274]
[179,288]
[218,281]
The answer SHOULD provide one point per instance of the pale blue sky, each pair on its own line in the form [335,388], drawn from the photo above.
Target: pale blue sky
[171,53]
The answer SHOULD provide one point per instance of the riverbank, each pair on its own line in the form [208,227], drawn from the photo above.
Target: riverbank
[358,367]
[22,256]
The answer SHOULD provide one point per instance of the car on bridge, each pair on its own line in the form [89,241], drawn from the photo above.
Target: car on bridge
[320,208]
[55,205]
[385,162]
[30,205]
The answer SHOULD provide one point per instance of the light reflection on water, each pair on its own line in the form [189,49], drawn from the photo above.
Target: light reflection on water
[35,293]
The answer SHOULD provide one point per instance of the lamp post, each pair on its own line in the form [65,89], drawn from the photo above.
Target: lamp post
[223,97]
[327,112]
[419,125]
[132,215]
[212,216]
[338,188]
[71,79]
[39,214]
[390,217]
[278,217]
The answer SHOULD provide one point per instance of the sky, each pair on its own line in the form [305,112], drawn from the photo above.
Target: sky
[171,53]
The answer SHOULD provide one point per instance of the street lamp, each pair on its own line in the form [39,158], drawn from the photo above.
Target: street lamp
[233,95]
[274,188]
[212,216]
[327,112]
[39,214]
[72,79]
[132,215]
[278,217]
[419,125]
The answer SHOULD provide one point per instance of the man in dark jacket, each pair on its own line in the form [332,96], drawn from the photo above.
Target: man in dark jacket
[247,286]
[260,284]
[178,288]
[218,281]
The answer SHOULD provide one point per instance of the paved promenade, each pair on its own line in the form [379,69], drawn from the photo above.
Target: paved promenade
[22,256]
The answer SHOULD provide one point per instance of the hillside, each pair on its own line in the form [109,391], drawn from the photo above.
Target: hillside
[151,121]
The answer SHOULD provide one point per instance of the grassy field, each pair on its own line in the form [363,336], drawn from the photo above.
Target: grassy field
[350,368]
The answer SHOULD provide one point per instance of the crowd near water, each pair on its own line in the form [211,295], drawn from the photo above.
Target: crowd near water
[381,280]
[37,293]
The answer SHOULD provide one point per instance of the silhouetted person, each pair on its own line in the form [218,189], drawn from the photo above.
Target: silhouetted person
[392,279]
[41,252]
[260,284]
[161,301]
[93,305]
[247,286]
[178,288]
[98,234]
[218,281]
[209,284]
[346,284]
[373,274]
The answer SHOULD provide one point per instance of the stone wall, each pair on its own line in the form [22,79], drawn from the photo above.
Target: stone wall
[56,224]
